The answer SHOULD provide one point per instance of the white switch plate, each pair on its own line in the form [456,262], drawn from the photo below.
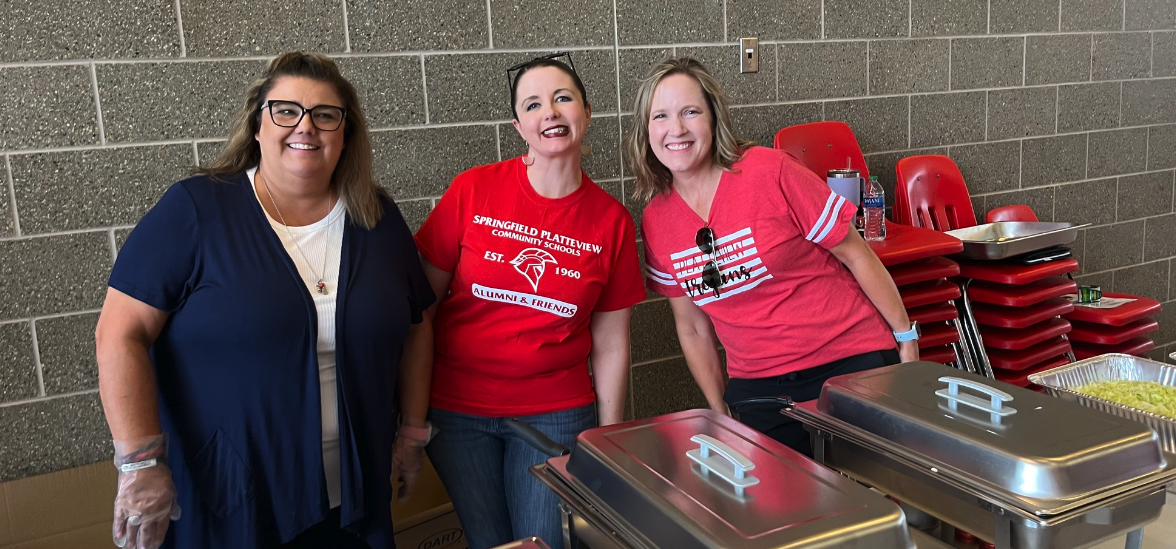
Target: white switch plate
[749,55]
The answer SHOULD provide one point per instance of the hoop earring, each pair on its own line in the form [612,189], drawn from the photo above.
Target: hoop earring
[585,150]
[527,155]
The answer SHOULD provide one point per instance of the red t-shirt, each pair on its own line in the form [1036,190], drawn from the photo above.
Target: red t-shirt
[513,336]
[785,303]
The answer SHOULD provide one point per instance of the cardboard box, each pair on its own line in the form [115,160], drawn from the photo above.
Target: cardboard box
[434,529]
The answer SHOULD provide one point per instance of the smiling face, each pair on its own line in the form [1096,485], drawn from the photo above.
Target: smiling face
[304,151]
[552,115]
[681,131]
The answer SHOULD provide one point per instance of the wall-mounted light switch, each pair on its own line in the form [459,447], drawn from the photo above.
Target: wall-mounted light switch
[749,55]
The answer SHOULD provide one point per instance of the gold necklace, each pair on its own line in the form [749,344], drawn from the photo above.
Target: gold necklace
[320,285]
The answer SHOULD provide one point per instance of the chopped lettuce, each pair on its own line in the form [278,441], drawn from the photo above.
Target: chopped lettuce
[1144,395]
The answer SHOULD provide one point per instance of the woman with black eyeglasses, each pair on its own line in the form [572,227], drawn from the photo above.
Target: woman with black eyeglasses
[265,326]
[752,247]
[538,268]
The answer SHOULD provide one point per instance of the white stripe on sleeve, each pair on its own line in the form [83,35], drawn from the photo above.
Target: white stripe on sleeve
[832,220]
[821,220]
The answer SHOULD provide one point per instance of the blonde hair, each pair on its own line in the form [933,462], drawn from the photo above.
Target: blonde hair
[653,177]
[352,177]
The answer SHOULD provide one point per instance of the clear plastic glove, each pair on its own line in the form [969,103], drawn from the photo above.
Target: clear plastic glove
[146,501]
[406,464]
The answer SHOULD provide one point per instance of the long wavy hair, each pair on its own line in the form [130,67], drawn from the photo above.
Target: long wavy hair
[352,177]
[653,178]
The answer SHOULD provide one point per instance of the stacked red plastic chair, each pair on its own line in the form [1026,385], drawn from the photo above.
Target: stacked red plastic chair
[1014,323]
[915,258]
[1097,331]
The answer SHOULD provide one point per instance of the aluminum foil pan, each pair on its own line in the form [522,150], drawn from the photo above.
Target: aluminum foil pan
[1062,381]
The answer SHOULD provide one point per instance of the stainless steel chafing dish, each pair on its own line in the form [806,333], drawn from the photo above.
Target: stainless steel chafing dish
[701,480]
[1013,467]
[1008,238]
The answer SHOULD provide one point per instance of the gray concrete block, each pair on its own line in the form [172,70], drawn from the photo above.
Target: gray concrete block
[208,151]
[51,435]
[262,27]
[473,87]
[415,212]
[1114,246]
[1040,200]
[1054,59]
[390,89]
[1172,280]
[1086,202]
[1117,151]
[53,275]
[7,226]
[987,62]
[63,191]
[879,124]
[1120,55]
[46,107]
[530,23]
[949,17]
[1149,102]
[1147,280]
[1104,279]
[1085,107]
[1150,14]
[1086,15]
[741,88]
[1145,195]
[1167,332]
[1158,242]
[1052,160]
[652,333]
[18,369]
[379,26]
[635,65]
[866,18]
[664,387]
[157,101]
[120,236]
[646,22]
[947,118]
[1077,247]
[66,346]
[882,165]
[1022,112]
[908,66]
[421,163]
[1017,16]
[989,167]
[1163,54]
[89,29]
[761,123]
[1161,147]
[774,19]
[603,138]
[818,70]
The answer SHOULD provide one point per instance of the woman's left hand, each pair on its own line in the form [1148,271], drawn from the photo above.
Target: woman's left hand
[406,465]
[908,351]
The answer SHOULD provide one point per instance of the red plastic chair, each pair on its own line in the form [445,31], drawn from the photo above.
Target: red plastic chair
[823,146]
[931,193]
[1016,212]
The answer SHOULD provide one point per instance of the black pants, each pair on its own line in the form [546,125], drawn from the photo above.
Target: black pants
[801,386]
[326,535]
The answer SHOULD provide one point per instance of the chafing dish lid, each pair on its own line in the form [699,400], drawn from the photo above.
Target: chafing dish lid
[641,471]
[1020,441]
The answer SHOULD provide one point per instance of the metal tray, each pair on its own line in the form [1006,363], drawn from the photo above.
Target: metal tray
[1008,238]
[1061,382]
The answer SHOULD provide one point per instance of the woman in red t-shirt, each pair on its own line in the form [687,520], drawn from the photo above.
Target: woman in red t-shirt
[751,246]
[537,268]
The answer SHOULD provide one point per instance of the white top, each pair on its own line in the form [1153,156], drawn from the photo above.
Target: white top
[323,237]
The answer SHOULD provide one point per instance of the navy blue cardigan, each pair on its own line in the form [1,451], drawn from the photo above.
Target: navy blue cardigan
[237,372]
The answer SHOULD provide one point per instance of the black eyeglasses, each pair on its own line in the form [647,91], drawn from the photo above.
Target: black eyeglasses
[288,114]
[712,277]
[510,83]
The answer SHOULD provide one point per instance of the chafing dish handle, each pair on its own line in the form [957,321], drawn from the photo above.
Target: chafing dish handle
[995,404]
[536,438]
[716,457]
[783,401]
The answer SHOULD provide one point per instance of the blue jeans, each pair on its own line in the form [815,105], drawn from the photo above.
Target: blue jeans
[485,469]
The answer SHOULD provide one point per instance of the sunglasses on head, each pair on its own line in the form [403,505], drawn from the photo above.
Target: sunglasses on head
[712,277]
[510,76]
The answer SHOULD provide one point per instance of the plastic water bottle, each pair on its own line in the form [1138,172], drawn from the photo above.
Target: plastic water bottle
[874,204]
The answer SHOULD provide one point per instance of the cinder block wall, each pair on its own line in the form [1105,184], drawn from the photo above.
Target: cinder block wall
[1066,105]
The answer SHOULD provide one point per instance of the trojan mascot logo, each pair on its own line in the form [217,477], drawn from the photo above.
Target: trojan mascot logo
[531,263]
